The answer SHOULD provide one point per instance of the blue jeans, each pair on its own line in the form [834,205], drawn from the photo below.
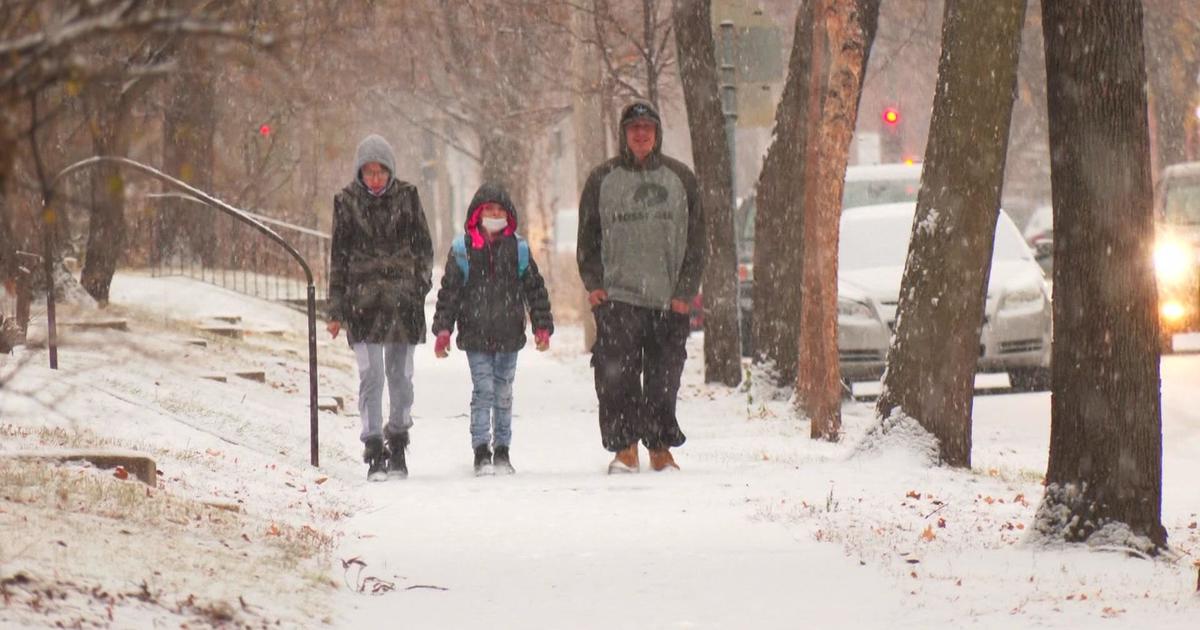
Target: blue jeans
[492,375]
[377,361]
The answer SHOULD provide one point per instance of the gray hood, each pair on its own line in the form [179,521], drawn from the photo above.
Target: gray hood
[374,148]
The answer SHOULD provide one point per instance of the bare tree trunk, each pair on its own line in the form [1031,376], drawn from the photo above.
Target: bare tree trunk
[1105,466]
[189,125]
[649,13]
[106,226]
[591,129]
[1173,58]
[710,153]
[505,161]
[778,224]
[846,31]
[931,364]
[8,239]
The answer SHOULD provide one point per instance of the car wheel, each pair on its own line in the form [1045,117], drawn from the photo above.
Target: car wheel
[1030,379]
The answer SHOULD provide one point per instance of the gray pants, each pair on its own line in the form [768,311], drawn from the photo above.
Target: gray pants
[377,362]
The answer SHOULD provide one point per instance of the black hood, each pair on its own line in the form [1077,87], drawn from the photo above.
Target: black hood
[489,192]
[632,112]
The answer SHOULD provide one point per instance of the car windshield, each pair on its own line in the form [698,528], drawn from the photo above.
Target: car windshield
[875,192]
[1183,203]
[857,192]
[879,238]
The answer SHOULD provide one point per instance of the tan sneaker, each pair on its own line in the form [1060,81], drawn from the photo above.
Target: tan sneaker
[662,460]
[626,461]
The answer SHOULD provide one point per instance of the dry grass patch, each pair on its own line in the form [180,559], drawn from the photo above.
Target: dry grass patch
[82,547]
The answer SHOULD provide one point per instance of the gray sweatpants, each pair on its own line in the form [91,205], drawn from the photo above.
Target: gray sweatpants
[378,362]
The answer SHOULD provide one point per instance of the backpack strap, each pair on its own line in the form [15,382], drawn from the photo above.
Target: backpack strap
[522,256]
[459,247]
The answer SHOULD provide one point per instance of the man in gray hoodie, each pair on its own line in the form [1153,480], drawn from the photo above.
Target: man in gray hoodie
[381,262]
[641,256]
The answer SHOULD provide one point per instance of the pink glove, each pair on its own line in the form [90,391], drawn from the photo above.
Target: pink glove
[541,339]
[441,347]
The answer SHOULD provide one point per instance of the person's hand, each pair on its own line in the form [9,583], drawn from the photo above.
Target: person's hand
[541,339]
[597,297]
[441,347]
[334,327]
[680,306]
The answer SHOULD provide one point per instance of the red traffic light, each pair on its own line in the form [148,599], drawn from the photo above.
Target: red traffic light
[264,130]
[891,116]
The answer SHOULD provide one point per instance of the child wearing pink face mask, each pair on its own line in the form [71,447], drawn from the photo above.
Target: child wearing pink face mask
[489,283]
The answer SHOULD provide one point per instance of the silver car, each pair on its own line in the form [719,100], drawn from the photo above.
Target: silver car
[871,254]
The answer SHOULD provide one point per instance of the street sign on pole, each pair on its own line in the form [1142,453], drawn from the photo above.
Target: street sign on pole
[757,59]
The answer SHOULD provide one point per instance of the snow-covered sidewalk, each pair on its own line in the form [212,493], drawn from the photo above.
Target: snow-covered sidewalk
[762,527]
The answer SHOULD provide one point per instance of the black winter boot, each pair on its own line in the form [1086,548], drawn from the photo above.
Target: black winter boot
[397,467]
[501,463]
[375,457]
[483,461]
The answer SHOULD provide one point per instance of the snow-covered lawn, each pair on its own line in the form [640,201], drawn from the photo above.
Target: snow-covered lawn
[762,527]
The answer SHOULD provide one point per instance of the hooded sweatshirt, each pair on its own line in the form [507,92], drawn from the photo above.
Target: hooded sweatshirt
[489,304]
[641,229]
[381,255]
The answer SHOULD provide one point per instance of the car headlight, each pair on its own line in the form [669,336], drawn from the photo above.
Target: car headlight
[1172,311]
[1172,261]
[851,309]
[1026,297]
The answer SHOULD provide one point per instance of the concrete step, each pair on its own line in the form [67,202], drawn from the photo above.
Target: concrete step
[221,330]
[96,324]
[133,462]
[252,375]
[220,378]
[228,319]
[202,343]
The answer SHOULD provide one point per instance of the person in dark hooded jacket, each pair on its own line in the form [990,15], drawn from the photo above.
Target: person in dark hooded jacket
[641,256]
[489,282]
[381,261]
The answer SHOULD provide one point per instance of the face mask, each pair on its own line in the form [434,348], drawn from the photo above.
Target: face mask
[494,225]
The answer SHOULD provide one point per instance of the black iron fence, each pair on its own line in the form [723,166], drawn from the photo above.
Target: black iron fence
[224,254]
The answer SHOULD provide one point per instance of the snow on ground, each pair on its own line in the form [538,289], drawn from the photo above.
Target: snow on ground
[762,527]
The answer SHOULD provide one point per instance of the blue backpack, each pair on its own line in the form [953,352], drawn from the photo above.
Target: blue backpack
[459,247]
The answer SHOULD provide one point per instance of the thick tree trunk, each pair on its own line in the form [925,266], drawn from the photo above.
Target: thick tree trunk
[1173,60]
[844,31]
[778,225]
[591,129]
[8,239]
[931,364]
[504,161]
[189,124]
[1105,466]
[106,224]
[710,153]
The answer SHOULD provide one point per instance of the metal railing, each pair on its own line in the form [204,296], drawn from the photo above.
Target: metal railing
[199,196]
[228,260]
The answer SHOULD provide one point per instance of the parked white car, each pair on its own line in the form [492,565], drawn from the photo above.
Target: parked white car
[872,251]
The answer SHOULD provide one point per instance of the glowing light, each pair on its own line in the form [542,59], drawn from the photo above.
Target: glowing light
[1172,261]
[891,116]
[264,130]
[1172,311]
[908,162]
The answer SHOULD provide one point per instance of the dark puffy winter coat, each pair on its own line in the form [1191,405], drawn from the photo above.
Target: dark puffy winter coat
[381,263]
[489,304]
